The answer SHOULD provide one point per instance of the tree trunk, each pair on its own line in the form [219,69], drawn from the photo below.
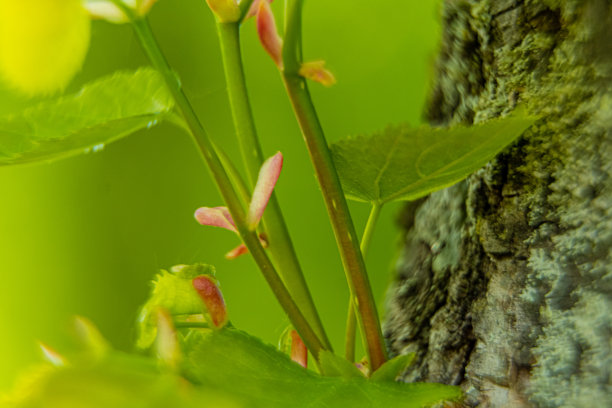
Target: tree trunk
[505,282]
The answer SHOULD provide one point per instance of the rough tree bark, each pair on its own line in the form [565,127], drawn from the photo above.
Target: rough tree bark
[505,282]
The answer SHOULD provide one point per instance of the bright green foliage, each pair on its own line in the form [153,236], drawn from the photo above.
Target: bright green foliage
[392,368]
[101,112]
[336,366]
[259,375]
[223,369]
[117,380]
[402,163]
[174,292]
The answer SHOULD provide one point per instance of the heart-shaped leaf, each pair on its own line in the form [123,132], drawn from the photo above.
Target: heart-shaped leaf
[403,163]
[101,112]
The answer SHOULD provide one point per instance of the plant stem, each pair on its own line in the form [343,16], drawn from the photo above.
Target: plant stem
[351,320]
[331,188]
[280,245]
[222,180]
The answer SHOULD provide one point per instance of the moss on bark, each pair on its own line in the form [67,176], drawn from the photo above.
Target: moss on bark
[505,284]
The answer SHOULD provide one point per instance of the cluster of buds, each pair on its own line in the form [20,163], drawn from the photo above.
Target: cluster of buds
[221,217]
[229,11]
[108,10]
[273,44]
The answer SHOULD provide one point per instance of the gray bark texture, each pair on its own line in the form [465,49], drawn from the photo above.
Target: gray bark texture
[504,285]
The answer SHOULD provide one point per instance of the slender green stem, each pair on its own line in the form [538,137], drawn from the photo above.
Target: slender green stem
[280,245]
[351,320]
[222,180]
[331,188]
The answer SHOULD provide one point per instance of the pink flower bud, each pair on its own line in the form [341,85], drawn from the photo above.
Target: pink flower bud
[211,296]
[268,176]
[316,71]
[268,35]
[299,352]
[216,217]
[227,11]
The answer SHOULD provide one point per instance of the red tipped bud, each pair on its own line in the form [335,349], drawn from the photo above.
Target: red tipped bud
[299,352]
[211,296]
[316,71]
[227,11]
[268,35]
[236,252]
[268,176]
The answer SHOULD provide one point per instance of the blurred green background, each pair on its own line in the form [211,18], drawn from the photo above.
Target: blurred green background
[86,234]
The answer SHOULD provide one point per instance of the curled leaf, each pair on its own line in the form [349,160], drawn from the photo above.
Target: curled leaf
[208,289]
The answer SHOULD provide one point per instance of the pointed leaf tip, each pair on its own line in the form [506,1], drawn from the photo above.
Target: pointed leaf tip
[167,344]
[208,290]
[236,252]
[51,355]
[268,176]
[216,217]
[316,71]
[268,34]
[299,352]
[91,336]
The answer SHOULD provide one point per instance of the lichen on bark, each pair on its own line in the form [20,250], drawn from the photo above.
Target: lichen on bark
[505,282]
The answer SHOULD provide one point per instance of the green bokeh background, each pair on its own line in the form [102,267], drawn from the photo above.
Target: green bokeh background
[85,235]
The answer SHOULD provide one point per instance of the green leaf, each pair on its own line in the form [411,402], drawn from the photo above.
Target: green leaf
[174,292]
[390,370]
[118,381]
[223,368]
[259,375]
[402,163]
[101,112]
[335,366]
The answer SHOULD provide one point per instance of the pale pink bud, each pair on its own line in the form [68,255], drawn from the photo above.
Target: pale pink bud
[52,356]
[316,71]
[254,7]
[106,10]
[211,296]
[216,217]
[167,343]
[227,11]
[299,352]
[268,35]
[268,176]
